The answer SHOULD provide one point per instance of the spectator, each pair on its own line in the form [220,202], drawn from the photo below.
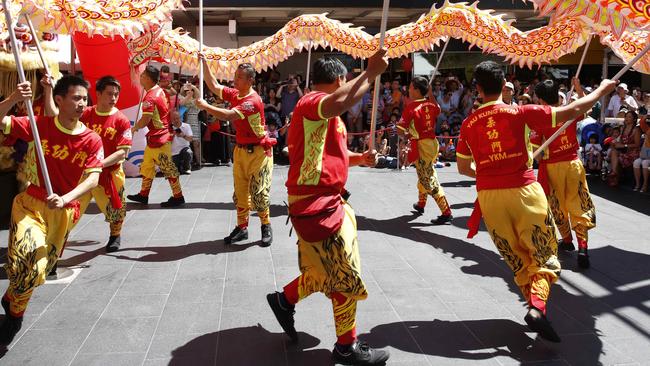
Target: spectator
[626,149]
[644,106]
[454,86]
[525,99]
[355,117]
[404,149]
[437,90]
[396,95]
[447,108]
[643,162]
[289,93]
[507,93]
[272,102]
[621,99]
[181,152]
[466,102]
[189,95]
[593,157]
[447,147]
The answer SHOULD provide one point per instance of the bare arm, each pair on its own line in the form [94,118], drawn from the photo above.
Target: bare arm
[465,167]
[22,92]
[50,107]
[582,105]
[116,157]
[210,80]
[56,201]
[349,94]
[368,158]
[142,123]
[221,113]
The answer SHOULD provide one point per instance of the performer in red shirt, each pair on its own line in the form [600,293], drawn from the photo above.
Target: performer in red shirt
[253,156]
[512,203]
[115,130]
[40,223]
[155,116]
[419,123]
[318,208]
[563,177]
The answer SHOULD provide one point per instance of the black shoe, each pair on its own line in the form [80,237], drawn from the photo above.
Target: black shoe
[173,202]
[583,258]
[442,220]
[238,234]
[567,247]
[138,198]
[52,275]
[417,208]
[113,244]
[284,315]
[267,235]
[537,322]
[360,354]
[10,326]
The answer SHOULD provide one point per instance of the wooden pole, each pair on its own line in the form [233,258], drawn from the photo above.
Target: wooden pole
[375,97]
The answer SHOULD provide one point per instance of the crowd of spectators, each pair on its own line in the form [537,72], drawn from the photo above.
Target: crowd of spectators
[612,147]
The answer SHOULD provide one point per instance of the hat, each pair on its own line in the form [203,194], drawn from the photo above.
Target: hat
[622,86]
[526,96]
[510,86]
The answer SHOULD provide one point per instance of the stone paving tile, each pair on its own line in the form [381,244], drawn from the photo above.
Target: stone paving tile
[120,335]
[109,359]
[176,295]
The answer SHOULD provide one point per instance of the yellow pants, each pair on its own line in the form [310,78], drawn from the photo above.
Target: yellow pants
[333,267]
[570,200]
[37,236]
[252,173]
[114,217]
[161,157]
[428,184]
[521,226]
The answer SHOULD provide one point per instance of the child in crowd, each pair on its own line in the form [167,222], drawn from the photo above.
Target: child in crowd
[403,154]
[593,158]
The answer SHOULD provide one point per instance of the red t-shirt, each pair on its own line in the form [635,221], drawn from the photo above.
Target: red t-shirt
[317,149]
[113,127]
[563,148]
[250,128]
[68,153]
[419,119]
[496,137]
[155,103]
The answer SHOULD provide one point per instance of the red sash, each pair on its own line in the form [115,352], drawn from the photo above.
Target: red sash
[317,218]
[106,181]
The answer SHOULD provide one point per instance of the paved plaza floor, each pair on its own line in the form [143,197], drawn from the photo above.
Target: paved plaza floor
[175,295]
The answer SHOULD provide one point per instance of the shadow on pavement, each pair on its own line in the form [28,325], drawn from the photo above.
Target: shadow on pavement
[448,339]
[252,345]
[171,254]
[628,198]
[574,312]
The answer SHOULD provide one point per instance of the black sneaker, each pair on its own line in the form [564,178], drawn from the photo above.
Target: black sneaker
[267,235]
[360,354]
[138,198]
[113,244]
[284,315]
[442,220]
[418,208]
[583,258]
[10,326]
[566,246]
[537,322]
[53,275]
[173,202]
[238,234]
